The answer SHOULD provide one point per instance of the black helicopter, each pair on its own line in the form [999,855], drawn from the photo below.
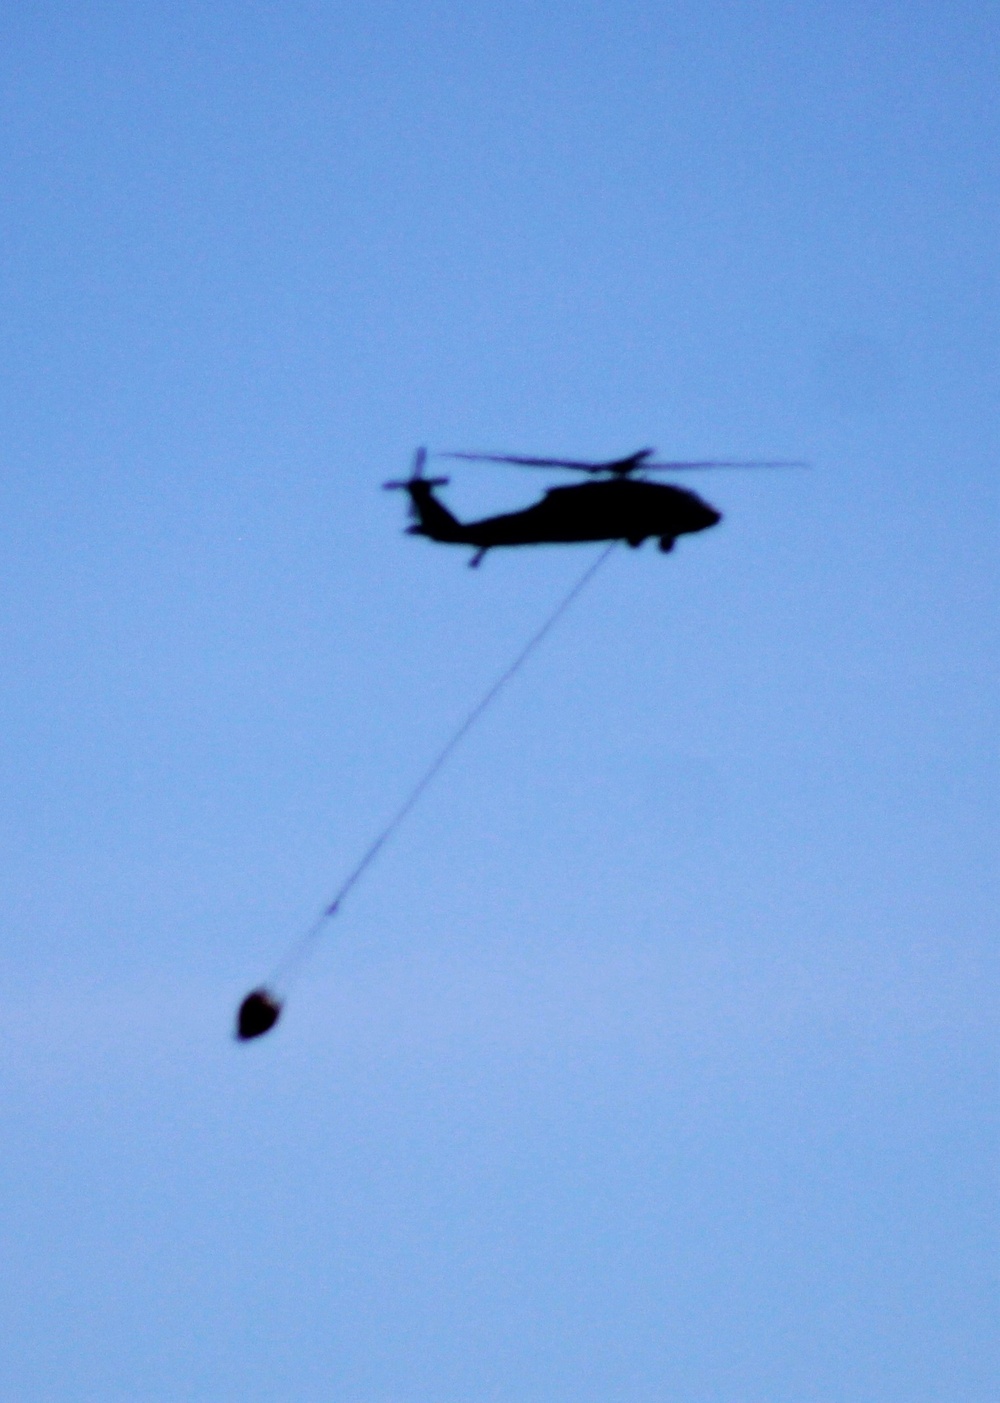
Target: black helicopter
[616,507]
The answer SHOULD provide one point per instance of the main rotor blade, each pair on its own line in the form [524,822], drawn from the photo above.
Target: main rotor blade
[528,462]
[623,467]
[720,463]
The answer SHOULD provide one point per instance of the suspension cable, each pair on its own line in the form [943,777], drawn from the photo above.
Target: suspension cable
[296,956]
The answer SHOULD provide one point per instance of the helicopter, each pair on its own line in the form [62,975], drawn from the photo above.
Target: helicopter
[618,505]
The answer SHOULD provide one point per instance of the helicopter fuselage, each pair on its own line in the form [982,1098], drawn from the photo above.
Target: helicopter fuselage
[620,508]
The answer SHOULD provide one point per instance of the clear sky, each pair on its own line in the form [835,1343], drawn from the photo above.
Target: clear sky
[655,1059]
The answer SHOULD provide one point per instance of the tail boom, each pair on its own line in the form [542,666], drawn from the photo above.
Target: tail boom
[433,517]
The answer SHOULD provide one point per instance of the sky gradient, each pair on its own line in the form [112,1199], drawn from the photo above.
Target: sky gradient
[655,1060]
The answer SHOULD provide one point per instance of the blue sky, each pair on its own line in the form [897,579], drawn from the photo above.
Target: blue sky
[656,1058]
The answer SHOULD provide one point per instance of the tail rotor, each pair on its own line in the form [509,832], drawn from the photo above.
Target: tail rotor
[416,475]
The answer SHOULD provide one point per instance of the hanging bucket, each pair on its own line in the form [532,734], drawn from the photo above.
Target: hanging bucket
[257,1014]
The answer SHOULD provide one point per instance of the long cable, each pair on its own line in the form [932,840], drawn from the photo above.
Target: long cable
[300,949]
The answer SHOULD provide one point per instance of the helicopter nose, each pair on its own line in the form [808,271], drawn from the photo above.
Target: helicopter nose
[711,517]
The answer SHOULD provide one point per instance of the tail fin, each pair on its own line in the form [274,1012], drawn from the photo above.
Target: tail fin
[433,519]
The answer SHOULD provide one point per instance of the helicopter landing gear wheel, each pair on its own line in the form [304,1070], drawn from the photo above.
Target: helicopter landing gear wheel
[666,543]
[635,541]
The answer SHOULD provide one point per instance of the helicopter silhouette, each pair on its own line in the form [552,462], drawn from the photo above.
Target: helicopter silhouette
[616,506]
